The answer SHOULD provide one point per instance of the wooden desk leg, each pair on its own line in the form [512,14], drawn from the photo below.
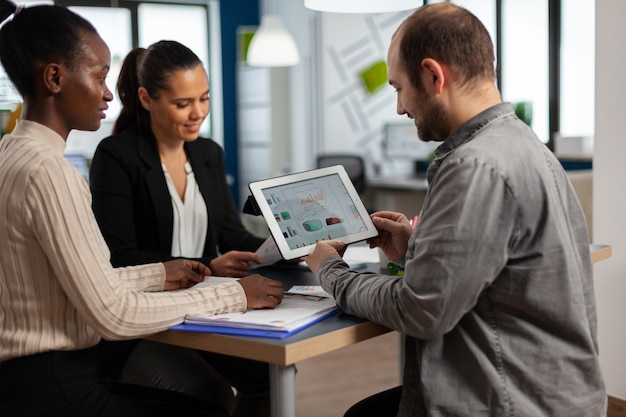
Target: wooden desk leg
[283,390]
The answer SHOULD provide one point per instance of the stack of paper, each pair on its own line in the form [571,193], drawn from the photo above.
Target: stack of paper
[295,312]
[299,309]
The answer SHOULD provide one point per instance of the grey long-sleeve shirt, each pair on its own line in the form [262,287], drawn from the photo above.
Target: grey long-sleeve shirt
[497,303]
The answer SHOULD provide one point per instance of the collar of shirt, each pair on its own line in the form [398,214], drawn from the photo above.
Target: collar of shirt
[466,132]
[29,130]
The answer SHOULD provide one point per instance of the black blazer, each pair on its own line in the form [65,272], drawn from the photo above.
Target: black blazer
[133,207]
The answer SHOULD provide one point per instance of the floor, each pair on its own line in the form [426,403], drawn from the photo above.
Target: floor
[328,385]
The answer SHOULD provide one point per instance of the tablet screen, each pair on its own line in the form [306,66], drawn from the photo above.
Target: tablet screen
[305,208]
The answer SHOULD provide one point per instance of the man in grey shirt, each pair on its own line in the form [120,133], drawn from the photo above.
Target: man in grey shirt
[497,302]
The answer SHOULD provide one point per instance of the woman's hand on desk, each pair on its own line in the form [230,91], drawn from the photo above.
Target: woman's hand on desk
[262,292]
[394,231]
[234,264]
[183,273]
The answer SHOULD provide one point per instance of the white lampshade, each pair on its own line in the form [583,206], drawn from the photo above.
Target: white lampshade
[272,45]
[362,6]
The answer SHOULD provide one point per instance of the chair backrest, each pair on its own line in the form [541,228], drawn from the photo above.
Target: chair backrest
[353,164]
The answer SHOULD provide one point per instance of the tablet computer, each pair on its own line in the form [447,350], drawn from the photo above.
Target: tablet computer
[304,208]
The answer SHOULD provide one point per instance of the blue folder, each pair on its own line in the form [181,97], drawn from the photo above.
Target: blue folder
[237,331]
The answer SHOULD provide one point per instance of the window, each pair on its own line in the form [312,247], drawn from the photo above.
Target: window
[114,26]
[485,10]
[141,24]
[9,97]
[522,30]
[577,68]
[134,23]
[525,70]
[156,23]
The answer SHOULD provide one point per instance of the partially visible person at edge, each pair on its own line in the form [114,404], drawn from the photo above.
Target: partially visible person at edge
[160,193]
[59,293]
[497,300]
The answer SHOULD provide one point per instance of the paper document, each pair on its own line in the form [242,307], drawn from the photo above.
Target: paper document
[296,311]
[311,290]
[268,252]
[359,255]
[356,256]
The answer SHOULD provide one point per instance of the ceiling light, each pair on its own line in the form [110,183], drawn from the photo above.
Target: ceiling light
[272,45]
[362,6]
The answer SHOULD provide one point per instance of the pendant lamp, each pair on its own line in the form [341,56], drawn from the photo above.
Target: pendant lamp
[272,45]
[362,6]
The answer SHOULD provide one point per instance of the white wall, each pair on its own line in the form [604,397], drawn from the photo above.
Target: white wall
[609,195]
[329,110]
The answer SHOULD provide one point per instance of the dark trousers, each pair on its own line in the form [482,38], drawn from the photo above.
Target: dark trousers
[204,375]
[383,404]
[69,384]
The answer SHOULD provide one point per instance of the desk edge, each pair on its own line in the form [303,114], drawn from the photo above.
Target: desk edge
[263,349]
[600,254]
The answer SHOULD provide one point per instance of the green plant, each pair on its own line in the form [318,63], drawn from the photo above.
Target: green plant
[524,110]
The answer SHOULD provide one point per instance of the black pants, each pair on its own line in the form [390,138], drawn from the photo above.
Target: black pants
[383,404]
[69,384]
[205,375]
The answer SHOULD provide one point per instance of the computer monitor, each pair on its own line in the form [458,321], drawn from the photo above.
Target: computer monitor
[401,142]
[81,164]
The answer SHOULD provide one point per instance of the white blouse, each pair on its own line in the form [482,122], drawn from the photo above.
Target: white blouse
[191,217]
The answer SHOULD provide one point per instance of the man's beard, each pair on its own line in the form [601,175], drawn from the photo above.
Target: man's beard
[433,123]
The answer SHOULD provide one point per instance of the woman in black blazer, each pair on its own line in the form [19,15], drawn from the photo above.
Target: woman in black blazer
[160,192]
[133,205]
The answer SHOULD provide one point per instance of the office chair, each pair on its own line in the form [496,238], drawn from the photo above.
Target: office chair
[353,164]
